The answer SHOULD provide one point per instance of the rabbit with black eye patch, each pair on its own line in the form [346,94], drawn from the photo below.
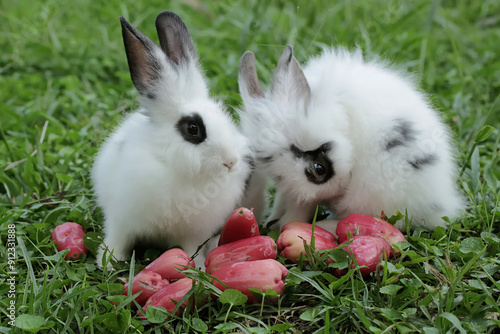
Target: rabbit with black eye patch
[352,134]
[174,170]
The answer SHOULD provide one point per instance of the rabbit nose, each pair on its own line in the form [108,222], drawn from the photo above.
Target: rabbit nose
[229,164]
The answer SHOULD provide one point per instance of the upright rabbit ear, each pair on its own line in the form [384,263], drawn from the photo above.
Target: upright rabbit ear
[145,67]
[174,38]
[289,81]
[247,77]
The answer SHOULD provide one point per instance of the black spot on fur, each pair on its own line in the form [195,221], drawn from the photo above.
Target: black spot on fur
[326,147]
[247,183]
[418,163]
[319,166]
[192,129]
[296,152]
[265,160]
[249,160]
[151,96]
[405,128]
[393,143]
[403,134]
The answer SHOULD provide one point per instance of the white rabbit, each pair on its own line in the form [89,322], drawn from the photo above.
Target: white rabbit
[174,170]
[351,134]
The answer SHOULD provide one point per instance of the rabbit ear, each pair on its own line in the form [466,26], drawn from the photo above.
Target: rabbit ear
[145,67]
[247,77]
[289,81]
[174,38]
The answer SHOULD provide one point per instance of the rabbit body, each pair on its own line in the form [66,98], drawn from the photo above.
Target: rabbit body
[173,171]
[355,135]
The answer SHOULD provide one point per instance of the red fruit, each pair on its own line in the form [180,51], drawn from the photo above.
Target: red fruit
[261,274]
[306,226]
[170,294]
[167,263]
[358,224]
[148,282]
[70,235]
[367,250]
[249,249]
[241,224]
[291,243]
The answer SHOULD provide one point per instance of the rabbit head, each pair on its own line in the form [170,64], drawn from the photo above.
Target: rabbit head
[308,157]
[174,95]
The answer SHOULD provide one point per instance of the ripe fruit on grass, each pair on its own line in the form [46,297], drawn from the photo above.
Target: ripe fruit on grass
[170,294]
[70,235]
[166,264]
[306,226]
[358,224]
[291,243]
[249,249]
[367,250]
[261,274]
[241,224]
[148,282]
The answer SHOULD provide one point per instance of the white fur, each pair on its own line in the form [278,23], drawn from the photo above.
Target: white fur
[153,185]
[355,104]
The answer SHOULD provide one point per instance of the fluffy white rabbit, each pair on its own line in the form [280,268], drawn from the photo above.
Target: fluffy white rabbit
[174,170]
[355,135]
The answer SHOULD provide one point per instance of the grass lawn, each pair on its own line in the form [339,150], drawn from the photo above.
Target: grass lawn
[65,84]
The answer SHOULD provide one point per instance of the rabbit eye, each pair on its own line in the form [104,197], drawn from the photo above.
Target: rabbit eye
[192,129]
[319,169]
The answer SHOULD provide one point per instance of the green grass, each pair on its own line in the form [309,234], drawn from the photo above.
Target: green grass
[65,84]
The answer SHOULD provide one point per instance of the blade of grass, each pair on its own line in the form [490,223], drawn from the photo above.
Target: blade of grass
[459,276]
[31,272]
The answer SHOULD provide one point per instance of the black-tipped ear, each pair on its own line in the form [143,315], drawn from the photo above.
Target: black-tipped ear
[289,79]
[144,67]
[248,80]
[174,38]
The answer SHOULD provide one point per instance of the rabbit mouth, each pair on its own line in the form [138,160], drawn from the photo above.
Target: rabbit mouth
[223,170]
